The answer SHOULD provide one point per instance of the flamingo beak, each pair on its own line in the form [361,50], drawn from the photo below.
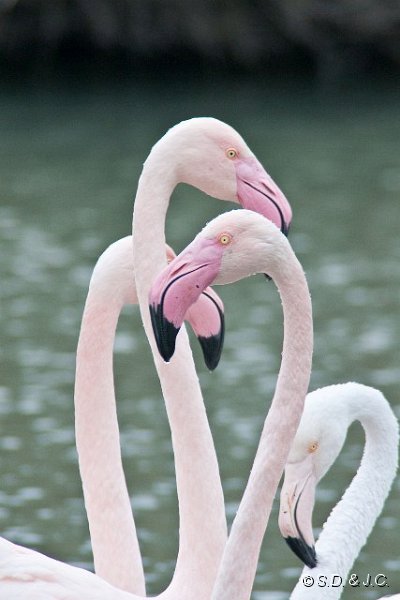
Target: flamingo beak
[206,317]
[172,296]
[257,191]
[295,511]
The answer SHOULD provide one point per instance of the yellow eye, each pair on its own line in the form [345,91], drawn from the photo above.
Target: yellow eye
[231,153]
[313,447]
[225,239]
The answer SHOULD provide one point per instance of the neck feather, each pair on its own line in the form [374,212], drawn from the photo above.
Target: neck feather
[238,568]
[202,529]
[115,546]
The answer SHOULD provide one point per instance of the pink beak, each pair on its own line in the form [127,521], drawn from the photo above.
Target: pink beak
[176,289]
[206,317]
[257,191]
[295,511]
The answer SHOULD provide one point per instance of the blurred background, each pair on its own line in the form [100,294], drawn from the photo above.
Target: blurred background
[333,39]
[86,88]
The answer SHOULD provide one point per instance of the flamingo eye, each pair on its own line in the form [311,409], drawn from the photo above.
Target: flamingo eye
[225,239]
[231,153]
[313,447]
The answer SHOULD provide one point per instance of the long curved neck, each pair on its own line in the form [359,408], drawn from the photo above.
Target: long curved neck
[202,522]
[115,546]
[351,521]
[238,567]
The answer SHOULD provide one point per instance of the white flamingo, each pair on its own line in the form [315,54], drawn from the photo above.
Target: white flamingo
[327,415]
[234,246]
[213,157]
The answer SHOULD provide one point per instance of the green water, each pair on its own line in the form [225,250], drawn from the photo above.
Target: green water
[69,165]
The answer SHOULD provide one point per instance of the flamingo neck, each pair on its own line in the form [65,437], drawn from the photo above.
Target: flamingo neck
[202,522]
[111,524]
[352,519]
[239,563]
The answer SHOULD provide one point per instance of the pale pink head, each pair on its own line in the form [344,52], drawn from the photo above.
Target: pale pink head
[317,443]
[113,282]
[232,246]
[212,156]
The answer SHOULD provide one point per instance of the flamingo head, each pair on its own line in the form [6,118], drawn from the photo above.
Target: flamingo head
[231,247]
[213,157]
[112,283]
[317,443]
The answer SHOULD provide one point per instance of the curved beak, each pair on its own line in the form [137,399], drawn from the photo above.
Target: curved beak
[206,317]
[172,296]
[257,191]
[295,511]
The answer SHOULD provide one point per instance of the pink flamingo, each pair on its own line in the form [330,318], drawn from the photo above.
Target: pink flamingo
[327,415]
[115,546]
[24,573]
[233,246]
[213,157]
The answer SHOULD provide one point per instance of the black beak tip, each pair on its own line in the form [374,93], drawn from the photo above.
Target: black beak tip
[285,228]
[212,349]
[303,551]
[213,344]
[165,332]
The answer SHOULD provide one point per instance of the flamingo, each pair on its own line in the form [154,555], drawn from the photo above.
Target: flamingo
[212,156]
[327,415]
[115,546]
[25,573]
[228,248]
[232,246]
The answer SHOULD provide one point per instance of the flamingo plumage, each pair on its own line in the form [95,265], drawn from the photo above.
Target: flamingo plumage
[25,573]
[228,248]
[116,551]
[212,156]
[233,246]
[328,413]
